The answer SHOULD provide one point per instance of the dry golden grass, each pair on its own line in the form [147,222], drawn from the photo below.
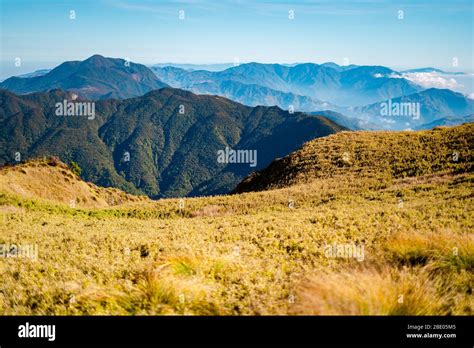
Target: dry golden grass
[36,179]
[252,261]
[381,155]
[443,247]
[256,253]
[383,290]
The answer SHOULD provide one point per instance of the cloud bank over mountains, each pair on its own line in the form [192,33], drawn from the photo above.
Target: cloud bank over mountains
[458,82]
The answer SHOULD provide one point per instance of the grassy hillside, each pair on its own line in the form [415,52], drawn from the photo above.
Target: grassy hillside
[263,252]
[382,155]
[52,180]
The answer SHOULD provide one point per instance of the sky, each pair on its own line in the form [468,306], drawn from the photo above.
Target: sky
[397,34]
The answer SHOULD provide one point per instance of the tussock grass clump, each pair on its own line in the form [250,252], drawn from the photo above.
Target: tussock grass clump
[372,290]
[442,248]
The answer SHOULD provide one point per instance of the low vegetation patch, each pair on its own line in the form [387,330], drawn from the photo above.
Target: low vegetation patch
[336,244]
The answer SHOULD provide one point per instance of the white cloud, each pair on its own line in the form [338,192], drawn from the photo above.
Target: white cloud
[432,79]
[395,75]
[392,76]
[436,80]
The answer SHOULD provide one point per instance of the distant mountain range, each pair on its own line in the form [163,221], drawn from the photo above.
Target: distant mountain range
[165,143]
[94,78]
[432,70]
[329,82]
[309,87]
[349,95]
[431,104]
[253,95]
[248,94]
[35,73]
[353,123]
[224,66]
[191,67]
[447,122]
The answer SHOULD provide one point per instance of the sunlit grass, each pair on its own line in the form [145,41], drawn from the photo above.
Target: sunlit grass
[254,253]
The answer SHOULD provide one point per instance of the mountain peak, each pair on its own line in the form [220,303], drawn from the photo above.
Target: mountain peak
[97,77]
[440,91]
[331,65]
[96,56]
[99,61]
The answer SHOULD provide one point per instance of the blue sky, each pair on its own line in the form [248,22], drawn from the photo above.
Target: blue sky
[431,33]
